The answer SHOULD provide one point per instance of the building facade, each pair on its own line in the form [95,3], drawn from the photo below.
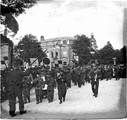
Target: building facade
[59,50]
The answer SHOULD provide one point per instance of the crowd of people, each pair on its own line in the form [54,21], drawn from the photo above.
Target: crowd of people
[19,82]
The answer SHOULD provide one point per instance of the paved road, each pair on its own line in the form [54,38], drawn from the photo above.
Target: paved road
[121,113]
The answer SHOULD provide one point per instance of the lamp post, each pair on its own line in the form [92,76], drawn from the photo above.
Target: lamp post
[60,51]
[114,61]
[69,51]
[92,53]
[93,58]
[60,46]
[23,52]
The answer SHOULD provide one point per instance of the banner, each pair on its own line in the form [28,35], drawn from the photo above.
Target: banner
[76,58]
[36,63]
[26,65]
[58,63]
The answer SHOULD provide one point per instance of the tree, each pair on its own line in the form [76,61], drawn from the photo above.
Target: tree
[81,47]
[17,7]
[28,48]
[122,56]
[8,20]
[118,56]
[11,8]
[106,54]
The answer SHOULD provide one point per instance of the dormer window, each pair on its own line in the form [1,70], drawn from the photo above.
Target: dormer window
[64,42]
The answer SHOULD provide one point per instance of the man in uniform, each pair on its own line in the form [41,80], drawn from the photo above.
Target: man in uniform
[83,75]
[50,88]
[14,87]
[62,88]
[68,78]
[79,79]
[102,70]
[94,76]
[108,73]
[86,72]
[117,71]
[38,89]
[26,89]
[72,75]
[53,75]
[75,76]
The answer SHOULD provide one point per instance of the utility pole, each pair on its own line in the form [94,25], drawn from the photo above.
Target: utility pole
[114,61]
[69,51]
[60,51]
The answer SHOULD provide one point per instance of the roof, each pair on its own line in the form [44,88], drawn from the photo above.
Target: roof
[4,39]
[60,38]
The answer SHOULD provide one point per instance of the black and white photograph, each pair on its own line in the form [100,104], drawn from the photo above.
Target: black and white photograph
[63,59]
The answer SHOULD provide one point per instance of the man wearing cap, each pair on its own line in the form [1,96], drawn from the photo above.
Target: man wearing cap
[26,88]
[50,88]
[39,84]
[14,88]
[62,88]
[94,76]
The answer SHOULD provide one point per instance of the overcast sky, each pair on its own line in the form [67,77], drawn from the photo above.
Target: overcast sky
[57,18]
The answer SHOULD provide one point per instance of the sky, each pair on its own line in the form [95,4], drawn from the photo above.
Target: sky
[58,18]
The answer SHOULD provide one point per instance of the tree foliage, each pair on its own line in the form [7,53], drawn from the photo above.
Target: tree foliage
[29,47]
[122,56]
[81,47]
[106,54]
[17,7]
[9,8]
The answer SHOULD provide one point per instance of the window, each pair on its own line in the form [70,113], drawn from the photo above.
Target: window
[52,54]
[64,42]
[56,54]
[65,63]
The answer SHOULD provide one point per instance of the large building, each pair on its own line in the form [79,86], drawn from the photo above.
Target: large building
[59,49]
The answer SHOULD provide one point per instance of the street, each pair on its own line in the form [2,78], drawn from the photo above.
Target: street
[80,103]
[63,59]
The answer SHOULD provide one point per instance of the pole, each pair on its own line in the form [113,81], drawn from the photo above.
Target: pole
[114,60]
[5,31]
[23,55]
[69,53]
[60,51]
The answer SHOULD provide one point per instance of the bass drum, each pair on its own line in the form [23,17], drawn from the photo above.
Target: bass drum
[46,61]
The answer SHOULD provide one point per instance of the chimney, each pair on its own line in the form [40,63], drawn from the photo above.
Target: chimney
[42,38]
[92,36]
